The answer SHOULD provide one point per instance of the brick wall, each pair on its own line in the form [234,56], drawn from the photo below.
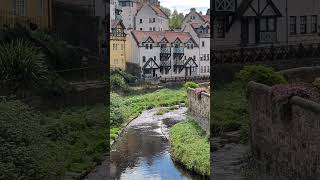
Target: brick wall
[199,108]
[285,139]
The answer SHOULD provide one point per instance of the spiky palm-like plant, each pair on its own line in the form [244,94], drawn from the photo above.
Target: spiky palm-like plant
[21,66]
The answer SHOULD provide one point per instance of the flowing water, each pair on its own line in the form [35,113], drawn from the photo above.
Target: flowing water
[143,152]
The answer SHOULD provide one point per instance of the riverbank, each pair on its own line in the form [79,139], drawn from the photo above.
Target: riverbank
[190,147]
[126,108]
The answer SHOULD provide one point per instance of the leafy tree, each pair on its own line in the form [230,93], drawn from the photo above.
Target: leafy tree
[176,20]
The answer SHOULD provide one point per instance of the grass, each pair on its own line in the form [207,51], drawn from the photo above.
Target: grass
[131,106]
[190,146]
[229,109]
[77,136]
[163,111]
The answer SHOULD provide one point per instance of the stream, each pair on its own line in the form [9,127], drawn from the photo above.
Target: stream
[143,150]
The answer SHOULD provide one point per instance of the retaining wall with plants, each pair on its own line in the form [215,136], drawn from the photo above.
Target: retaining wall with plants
[285,138]
[199,108]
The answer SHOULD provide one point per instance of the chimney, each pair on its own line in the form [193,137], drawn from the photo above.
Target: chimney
[200,12]
[193,9]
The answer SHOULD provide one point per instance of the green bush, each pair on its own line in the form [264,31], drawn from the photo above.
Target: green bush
[118,82]
[21,66]
[192,85]
[129,78]
[191,147]
[260,74]
[23,151]
[116,113]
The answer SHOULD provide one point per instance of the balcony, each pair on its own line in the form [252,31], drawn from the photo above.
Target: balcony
[178,50]
[178,62]
[267,37]
[166,63]
[166,50]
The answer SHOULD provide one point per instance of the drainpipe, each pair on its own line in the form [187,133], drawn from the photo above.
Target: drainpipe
[287,24]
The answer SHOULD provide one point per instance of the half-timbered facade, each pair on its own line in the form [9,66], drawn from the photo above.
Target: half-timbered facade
[165,54]
[199,29]
[264,22]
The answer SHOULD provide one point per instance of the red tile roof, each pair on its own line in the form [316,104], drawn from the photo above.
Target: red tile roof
[157,36]
[206,18]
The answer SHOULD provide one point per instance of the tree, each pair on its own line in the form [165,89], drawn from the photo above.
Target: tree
[176,20]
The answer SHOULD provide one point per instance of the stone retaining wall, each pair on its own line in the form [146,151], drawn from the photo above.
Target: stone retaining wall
[285,139]
[199,108]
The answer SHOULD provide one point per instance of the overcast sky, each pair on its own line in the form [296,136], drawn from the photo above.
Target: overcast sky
[185,5]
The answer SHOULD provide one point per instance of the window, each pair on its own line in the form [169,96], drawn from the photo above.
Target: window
[150,20]
[154,20]
[293,25]
[194,57]
[140,21]
[208,69]
[221,27]
[20,7]
[208,55]
[143,59]
[121,46]
[204,69]
[155,58]
[303,24]
[150,28]
[185,57]
[314,23]
[201,58]
[41,8]
[154,29]
[191,46]
[150,46]
[267,25]
[201,69]
[188,46]
[140,29]
[202,43]
[147,46]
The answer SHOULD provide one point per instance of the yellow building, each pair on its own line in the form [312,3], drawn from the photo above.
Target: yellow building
[117,45]
[26,13]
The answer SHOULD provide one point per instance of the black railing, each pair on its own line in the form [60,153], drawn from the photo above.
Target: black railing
[265,53]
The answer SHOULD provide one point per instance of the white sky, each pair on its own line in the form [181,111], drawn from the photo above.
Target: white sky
[185,5]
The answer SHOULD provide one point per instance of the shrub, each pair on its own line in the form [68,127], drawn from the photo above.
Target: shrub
[118,82]
[23,150]
[21,66]
[192,85]
[260,74]
[129,78]
[117,116]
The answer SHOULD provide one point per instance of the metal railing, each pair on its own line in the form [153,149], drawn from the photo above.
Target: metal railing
[9,19]
[166,50]
[178,50]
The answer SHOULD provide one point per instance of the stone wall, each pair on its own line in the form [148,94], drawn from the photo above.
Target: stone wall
[199,108]
[285,139]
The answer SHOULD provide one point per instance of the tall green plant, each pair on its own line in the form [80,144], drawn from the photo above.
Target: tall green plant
[21,65]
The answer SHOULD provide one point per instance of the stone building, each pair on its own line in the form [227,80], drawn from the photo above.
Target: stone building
[151,18]
[265,22]
[162,54]
[196,17]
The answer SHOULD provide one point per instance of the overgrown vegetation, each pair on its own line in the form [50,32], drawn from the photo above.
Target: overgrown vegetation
[190,146]
[125,108]
[229,108]
[192,85]
[261,74]
[38,145]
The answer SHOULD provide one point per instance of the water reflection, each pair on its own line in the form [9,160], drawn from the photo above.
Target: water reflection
[143,152]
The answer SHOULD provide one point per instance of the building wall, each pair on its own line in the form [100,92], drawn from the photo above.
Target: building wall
[128,15]
[199,108]
[284,136]
[41,17]
[146,13]
[118,55]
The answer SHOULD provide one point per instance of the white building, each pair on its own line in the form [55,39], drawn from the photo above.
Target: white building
[265,22]
[129,10]
[198,26]
[151,18]
[162,54]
